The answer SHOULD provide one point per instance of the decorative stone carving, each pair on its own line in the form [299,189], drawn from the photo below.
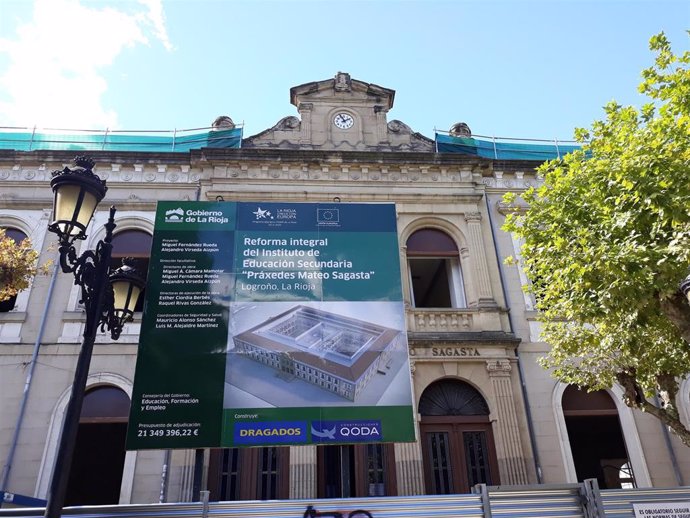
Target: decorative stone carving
[223,123]
[288,123]
[149,177]
[460,129]
[440,321]
[473,216]
[498,367]
[396,126]
[343,82]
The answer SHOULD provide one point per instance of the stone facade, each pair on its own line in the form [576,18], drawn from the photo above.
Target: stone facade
[490,341]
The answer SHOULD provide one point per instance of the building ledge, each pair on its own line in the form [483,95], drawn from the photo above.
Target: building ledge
[13,316]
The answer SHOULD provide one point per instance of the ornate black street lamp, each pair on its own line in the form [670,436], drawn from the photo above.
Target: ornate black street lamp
[108,297]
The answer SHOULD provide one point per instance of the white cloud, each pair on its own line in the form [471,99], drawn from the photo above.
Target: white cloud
[156,18]
[55,61]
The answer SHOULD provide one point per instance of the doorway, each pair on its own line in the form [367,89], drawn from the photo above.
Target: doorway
[596,438]
[457,440]
[249,473]
[347,471]
[99,457]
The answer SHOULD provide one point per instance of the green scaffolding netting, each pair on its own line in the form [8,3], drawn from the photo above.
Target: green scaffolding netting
[501,150]
[181,141]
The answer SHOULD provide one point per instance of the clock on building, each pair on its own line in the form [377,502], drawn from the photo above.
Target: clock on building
[343,120]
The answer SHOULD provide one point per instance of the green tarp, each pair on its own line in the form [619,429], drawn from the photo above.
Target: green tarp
[501,150]
[181,141]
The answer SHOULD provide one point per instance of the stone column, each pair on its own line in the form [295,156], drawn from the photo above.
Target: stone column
[466,264]
[478,260]
[304,110]
[409,466]
[511,462]
[302,472]
[409,469]
[407,289]
[181,473]
[381,125]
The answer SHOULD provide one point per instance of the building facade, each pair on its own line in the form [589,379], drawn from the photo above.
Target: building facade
[485,410]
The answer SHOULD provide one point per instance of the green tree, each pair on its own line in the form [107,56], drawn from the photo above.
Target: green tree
[607,243]
[17,265]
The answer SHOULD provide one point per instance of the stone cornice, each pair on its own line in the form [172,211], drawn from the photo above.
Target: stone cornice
[216,168]
[213,155]
[469,338]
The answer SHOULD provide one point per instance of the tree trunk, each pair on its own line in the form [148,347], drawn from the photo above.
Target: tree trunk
[677,309]
[634,398]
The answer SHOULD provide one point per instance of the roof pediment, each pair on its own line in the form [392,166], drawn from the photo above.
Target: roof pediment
[321,104]
[340,87]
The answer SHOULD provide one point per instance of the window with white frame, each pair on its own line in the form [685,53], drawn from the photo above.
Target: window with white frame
[434,270]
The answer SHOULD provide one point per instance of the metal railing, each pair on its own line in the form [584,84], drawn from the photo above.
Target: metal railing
[583,500]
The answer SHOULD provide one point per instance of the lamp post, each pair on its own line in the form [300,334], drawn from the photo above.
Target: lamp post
[108,297]
[685,287]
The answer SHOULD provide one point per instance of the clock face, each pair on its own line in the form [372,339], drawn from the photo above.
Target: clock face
[343,120]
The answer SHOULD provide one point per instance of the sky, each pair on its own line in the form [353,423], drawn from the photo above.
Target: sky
[527,69]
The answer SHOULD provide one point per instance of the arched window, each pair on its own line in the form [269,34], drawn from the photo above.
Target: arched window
[99,457]
[596,438]
[450,397]
[18,236]
[457,440]
[435,274]
[137,245]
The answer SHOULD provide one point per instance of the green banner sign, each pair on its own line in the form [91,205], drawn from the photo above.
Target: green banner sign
[272,324]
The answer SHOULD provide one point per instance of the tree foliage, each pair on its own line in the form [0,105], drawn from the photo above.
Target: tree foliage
[17,265]
[607,242]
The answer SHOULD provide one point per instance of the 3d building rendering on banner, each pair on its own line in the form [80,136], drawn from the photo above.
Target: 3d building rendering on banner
[336,353]
[485,411]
